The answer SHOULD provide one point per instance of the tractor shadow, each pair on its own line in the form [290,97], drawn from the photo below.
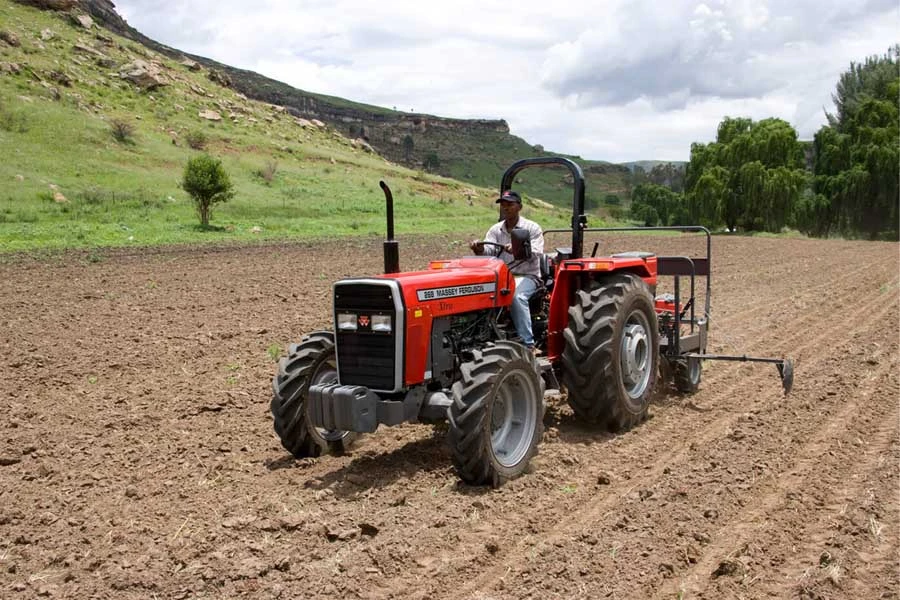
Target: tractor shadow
[373,469]
[561,424]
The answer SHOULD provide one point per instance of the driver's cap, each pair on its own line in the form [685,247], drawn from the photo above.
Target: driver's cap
[509,196]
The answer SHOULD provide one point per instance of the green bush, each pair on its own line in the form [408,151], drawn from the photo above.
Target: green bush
[267,171]
[13,121]
[207,183]
[196,140]
[122,131]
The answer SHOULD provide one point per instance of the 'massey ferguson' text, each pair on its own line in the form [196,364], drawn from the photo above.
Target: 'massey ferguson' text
[455,291]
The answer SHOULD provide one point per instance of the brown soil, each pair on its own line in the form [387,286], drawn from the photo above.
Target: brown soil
[137,458]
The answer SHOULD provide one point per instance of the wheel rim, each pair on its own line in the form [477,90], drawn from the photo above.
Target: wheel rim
[327,373]
[694,370]
[634,355]
[513,415]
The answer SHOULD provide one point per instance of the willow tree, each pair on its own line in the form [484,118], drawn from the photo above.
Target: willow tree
[749,178]
[857,155]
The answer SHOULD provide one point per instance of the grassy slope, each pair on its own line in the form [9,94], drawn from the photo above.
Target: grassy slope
[127,194]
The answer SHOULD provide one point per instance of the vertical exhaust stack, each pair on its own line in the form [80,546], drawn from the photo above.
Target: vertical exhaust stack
[391,246]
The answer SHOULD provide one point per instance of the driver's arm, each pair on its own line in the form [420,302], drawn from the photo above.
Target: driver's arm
[493,236]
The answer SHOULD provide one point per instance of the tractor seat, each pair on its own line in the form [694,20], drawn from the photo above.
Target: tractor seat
[546,272]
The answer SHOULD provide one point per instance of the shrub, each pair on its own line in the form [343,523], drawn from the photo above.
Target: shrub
[122,131]
[432,161]
[267,171]
[617,213]
[13,121]
[196,140]
[207,183]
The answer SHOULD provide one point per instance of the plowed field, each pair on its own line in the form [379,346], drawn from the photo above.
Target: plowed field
[137,457]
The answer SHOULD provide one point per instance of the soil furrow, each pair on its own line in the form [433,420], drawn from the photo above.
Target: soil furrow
[137,457]
[833,448]
[705,431]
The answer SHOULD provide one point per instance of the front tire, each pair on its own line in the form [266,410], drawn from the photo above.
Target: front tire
[496,419]
[310,362]
[611,355]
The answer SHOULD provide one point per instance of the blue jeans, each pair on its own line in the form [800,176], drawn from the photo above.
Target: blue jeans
[521,314]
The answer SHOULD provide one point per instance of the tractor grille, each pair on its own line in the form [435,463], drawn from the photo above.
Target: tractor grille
[366,357]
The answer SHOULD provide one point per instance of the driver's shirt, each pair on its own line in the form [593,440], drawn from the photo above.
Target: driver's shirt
[499,234]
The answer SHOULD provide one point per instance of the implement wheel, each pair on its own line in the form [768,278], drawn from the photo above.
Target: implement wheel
[310,362]
[686,374]
[611,355]
[496,418]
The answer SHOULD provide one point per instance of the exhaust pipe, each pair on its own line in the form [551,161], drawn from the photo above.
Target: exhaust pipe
[391,246]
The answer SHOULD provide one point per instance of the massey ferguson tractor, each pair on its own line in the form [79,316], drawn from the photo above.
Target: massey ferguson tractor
[435,345]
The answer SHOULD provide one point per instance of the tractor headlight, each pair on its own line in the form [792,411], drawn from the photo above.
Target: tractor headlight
[381,323]
[346,322]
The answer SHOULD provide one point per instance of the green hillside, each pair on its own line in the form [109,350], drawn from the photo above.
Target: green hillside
[68,182]
[470,150]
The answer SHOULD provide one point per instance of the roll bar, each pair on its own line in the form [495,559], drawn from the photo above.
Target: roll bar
[579,220]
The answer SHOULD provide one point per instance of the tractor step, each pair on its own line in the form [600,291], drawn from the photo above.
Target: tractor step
[545,368]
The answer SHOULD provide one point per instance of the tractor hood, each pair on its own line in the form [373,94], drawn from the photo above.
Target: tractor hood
[456,286]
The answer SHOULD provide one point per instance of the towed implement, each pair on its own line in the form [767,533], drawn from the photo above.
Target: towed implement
[437,345]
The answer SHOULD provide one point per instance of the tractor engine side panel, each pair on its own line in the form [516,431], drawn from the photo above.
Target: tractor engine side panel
[453,288]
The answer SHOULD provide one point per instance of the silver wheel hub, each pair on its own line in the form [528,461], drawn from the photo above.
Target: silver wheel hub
[634,357]
[513,415]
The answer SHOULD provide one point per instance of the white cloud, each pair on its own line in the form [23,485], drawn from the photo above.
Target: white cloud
[610,80]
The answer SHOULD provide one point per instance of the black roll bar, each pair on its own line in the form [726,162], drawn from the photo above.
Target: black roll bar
[579,220]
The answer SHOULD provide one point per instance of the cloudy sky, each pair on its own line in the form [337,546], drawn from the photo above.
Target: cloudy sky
[603,79]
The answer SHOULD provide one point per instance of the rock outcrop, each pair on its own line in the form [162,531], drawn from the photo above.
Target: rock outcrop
[146,75]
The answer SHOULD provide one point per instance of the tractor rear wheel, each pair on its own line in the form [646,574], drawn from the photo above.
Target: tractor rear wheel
[312,361]
[611,354]
[496,418]
[686,374]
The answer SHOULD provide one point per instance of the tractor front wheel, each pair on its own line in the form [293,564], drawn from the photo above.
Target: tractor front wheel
[496,418]
[611,354]
[310,362]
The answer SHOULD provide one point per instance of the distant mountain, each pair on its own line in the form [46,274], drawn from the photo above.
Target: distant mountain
[647,165]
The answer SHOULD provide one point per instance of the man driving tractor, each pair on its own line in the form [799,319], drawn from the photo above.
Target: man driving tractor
[498,242]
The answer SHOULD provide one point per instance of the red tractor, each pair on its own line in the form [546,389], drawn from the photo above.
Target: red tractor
[435,345]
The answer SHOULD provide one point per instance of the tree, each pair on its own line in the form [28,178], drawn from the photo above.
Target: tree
[657,205]
[432,162]
[857,155]
[408,146]
[207,183]
[668,175]
[750,178]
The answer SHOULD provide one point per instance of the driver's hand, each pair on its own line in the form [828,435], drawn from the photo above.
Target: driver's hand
[477,246]
[508,248]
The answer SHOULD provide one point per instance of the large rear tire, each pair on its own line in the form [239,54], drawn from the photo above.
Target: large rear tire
[611,354]
[312,361]
[496,419]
